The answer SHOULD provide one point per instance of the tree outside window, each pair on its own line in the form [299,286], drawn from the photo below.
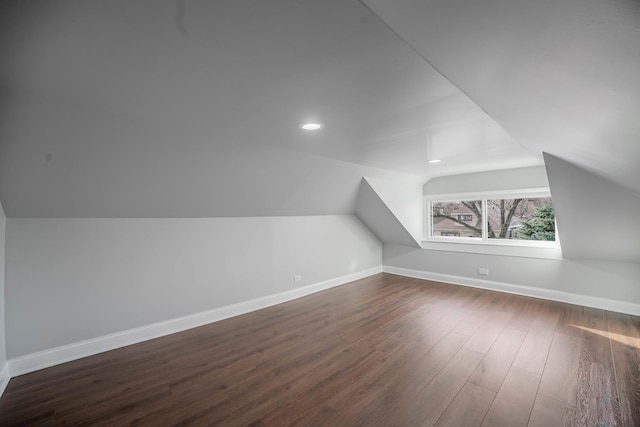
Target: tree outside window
[510,219]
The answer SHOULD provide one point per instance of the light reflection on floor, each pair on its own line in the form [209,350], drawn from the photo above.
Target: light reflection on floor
[632,341]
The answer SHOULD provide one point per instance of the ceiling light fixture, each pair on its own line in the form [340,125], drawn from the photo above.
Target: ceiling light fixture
[311,126]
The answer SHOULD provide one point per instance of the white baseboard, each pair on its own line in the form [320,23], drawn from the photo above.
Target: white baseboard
[548,294]
[55,356]
[5,376]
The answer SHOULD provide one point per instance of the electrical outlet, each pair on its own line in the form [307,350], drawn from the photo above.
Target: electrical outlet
[297,278]
[483,271]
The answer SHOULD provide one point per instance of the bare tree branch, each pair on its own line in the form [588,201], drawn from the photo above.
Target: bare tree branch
[506,212]
[507,222]
[475,208]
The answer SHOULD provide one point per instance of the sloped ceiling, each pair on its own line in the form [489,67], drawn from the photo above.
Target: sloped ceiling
[167,108]
[560,76]
[59,161]
[104,96]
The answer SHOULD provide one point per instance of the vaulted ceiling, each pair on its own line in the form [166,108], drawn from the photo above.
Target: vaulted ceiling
[559,76]
[107,101]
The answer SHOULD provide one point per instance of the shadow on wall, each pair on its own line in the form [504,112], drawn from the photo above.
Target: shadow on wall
[622,270]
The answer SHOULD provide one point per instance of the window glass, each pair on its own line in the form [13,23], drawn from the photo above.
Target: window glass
[462,218]
[521,219]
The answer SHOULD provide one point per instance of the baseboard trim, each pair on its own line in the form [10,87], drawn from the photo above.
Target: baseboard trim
[5,376]
[548,294]
[55,356]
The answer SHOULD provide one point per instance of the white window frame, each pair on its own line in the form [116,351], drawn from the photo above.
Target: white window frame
[484,245]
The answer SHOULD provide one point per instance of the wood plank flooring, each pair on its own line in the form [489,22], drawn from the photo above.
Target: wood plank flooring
[382,351]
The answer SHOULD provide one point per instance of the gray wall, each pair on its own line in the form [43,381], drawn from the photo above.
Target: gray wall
[597,218]
[611,280]
[395,217]
[3,353]
[69,280]
[507,179]
[576,193]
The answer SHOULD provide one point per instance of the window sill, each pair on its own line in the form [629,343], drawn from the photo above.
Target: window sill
[515,249]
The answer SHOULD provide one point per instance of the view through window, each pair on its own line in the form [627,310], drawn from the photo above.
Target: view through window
[457,218]
[526,218]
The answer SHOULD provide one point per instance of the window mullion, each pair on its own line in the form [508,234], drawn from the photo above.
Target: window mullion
[452,224]
[429,222]
[485,232]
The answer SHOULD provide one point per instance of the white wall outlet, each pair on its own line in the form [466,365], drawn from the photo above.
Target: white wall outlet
[483,271]
[297,278]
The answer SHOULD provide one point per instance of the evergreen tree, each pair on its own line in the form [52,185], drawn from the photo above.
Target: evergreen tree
[541,226]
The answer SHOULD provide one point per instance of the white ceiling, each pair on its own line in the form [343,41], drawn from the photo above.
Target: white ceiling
[252,70]
[561,76]
[558,76]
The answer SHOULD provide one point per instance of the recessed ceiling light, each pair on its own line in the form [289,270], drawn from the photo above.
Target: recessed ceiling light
[311,126]
[430,157]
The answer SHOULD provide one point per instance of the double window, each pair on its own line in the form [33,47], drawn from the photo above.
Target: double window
[524,219]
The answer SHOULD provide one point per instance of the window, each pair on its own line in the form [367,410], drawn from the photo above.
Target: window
[500,223]
[455,218]
[521,219]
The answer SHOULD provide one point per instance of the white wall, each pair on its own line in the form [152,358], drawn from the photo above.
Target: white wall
[599,279]
[574,192]
[403,200]
[597,218]
[3,354]
[393,217]
[69,280]
[507,179]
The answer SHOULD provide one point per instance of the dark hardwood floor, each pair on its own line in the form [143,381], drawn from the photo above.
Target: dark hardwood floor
[382,351]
